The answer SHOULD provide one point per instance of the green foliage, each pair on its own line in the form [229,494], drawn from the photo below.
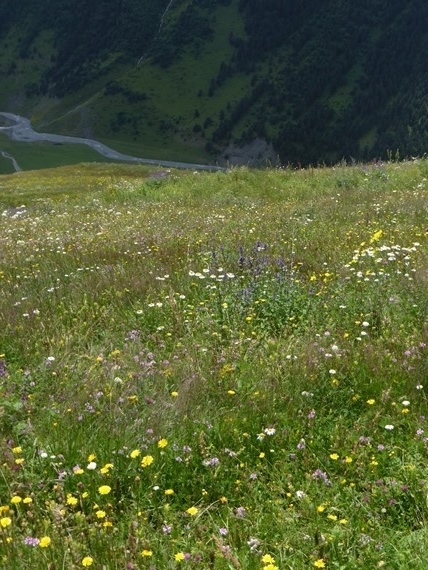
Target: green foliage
[318,81]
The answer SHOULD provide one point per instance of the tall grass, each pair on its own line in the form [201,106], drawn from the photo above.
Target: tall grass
[214,370]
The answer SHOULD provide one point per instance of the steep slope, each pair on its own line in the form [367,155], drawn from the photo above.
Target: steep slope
[186,79]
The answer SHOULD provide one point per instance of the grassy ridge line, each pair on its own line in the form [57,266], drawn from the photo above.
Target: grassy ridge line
[223,370]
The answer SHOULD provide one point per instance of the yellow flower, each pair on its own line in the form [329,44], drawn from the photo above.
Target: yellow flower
[104,490]
[332,517]
[44,542]
[147,552]
[106,468]
[134,454]
[87,561]
[348,459]
[371,402]
[179,556]
[27,500]
[321,508]
[174,394]
[17,449]
[231,392]
[343,521]
[15,499]
[192,511]
[270,567]
[5,521]
[267,559]
[262,454]
[375,237]
[146,461]
[78,471]
[91,457]
[20,460]
[71,500]
[162,443]
[334,456]
[319,563]
[169,491]
[100,514]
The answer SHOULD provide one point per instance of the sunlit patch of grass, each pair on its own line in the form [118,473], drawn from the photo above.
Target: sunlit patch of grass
[223,370]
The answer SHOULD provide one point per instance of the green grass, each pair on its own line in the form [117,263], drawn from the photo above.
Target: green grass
[33,156]
[214,370]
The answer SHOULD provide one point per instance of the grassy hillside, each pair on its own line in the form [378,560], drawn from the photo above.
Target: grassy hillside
[214,370]
[193,80]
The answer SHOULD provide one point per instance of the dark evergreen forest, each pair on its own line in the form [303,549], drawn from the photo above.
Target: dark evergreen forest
[329,79]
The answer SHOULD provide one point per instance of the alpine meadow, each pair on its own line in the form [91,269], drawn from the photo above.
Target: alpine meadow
[220,370]
[213,285]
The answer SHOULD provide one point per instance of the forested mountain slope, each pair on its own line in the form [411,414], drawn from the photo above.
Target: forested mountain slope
[318,80]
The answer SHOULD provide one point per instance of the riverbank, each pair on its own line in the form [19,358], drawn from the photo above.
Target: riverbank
[19,128]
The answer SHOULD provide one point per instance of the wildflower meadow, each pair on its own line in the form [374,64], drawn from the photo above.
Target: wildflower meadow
[222,370]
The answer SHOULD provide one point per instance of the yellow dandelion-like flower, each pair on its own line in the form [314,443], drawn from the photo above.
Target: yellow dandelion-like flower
[27,501]
[19,461]
[192,511]
[375,237]
[71,500]
[319,563]
[5,521]
[348,459]
[147,552]
[16,499]
[146,461]
[334,456]
[104,490]
[17,449]
[44,542]
[268,559]
[179,556]
[174,394]
[106,468]
[100,514]
[169,491]
[371,402]
[134,454]
[91,457]
[162,443]
[332,517]
[87,561]
[270,567]
[321,508]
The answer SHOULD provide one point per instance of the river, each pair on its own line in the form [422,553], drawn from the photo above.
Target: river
[21,130]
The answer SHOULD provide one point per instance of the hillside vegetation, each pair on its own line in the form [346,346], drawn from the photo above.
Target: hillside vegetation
[215,370]
[317,81]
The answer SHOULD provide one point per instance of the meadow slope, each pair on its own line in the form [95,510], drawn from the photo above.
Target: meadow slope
[214,370]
